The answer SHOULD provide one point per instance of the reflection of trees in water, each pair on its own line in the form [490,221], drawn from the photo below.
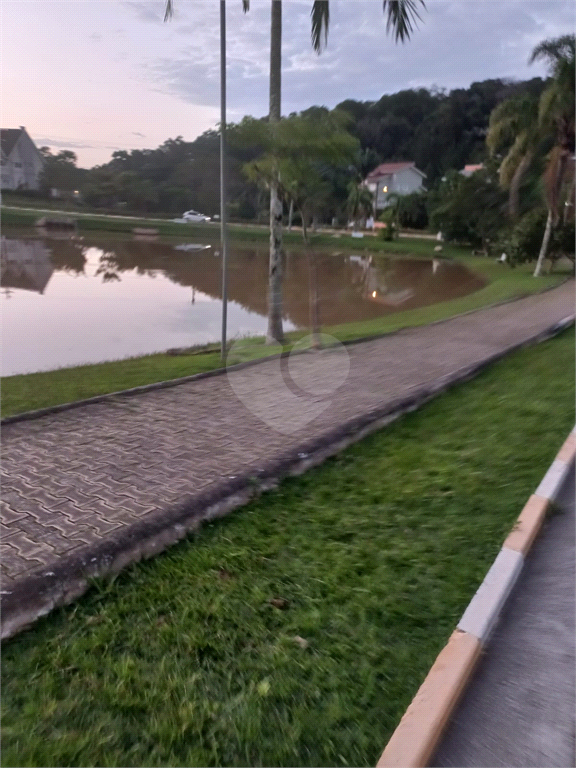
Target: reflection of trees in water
[127,256]
[107,267]
[333,288]
[67,255]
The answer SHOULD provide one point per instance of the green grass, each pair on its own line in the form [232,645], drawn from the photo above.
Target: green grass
[39,390]
[183,661]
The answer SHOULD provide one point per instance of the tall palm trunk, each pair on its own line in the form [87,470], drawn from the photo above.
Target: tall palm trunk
[553,200]
[544,246]
[275,333]
[514,199]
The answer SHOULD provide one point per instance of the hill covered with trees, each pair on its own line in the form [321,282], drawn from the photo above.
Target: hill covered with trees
[439,130]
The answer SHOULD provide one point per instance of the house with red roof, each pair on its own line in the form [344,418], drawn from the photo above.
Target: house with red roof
[470,169]
[394,178]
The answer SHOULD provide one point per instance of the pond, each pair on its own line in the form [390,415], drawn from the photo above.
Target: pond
[70,300]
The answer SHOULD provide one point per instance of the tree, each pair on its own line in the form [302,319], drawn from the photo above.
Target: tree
[360,201]
[514,123]
[300,154]
[556,113]
[401,15]
[60,171]
[469,209]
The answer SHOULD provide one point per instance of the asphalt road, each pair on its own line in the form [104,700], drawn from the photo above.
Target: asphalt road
[520,707]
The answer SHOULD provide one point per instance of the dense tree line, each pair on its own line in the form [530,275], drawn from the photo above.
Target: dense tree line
[521,132]
[440,131]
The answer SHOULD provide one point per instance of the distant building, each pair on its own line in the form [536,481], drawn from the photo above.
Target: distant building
[21,160]
[394,178]
[470,169]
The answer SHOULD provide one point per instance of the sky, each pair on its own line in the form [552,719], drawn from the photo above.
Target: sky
[94,76]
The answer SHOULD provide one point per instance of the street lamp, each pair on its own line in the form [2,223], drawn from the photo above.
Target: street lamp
[223,233]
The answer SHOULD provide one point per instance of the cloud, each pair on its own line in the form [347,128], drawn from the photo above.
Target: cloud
[137,133]
[456,43]
[147,11]
[43,140]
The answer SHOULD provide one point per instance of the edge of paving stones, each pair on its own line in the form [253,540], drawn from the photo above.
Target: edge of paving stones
[38,413]
[418,734]
[35,595]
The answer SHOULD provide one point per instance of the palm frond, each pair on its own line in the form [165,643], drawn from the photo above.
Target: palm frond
[509,118]
[554,50]
[320,15]
[513,159]
[519,173]
[402,16]
[169,11]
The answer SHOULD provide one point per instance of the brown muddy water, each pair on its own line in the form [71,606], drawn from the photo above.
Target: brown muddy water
[68,300]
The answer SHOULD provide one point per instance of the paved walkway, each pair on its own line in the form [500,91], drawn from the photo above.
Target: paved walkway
[78,477]
[519,708]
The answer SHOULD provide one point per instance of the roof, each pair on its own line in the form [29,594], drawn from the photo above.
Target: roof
[9,137]
[472,168]
[386,169]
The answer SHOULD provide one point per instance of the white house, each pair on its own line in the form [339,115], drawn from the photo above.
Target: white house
[397,178]
[21,160]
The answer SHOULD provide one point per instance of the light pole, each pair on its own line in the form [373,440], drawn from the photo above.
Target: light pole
[223,237]
[223,222]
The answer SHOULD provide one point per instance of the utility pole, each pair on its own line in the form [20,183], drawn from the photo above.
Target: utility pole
[223,207]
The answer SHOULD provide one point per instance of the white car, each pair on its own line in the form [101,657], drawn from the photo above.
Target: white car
[195,216]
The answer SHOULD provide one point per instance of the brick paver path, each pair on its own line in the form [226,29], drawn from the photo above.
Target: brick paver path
[71,478]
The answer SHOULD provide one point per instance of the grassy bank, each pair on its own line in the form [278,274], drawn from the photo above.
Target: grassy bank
[238,233]
[184,661]
[40,390]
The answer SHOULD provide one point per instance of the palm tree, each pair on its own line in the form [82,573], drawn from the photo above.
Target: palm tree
[401,17]
[360,201]
[556,113]
[515,122]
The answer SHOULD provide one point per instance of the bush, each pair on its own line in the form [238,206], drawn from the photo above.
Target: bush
[469,210]
[412,211]
[387,218]
[523,242]
[563,241]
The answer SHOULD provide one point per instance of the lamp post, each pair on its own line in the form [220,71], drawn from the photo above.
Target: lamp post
[223,237]
[223,212]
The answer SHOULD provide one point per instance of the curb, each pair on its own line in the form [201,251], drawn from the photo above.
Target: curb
[40,592]
[418,734]
[40,412]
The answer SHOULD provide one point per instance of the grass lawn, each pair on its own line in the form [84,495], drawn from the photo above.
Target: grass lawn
[184,661]
[39,390]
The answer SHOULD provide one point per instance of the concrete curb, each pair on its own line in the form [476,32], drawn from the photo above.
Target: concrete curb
[418,734]
[112,396]
[37,594]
